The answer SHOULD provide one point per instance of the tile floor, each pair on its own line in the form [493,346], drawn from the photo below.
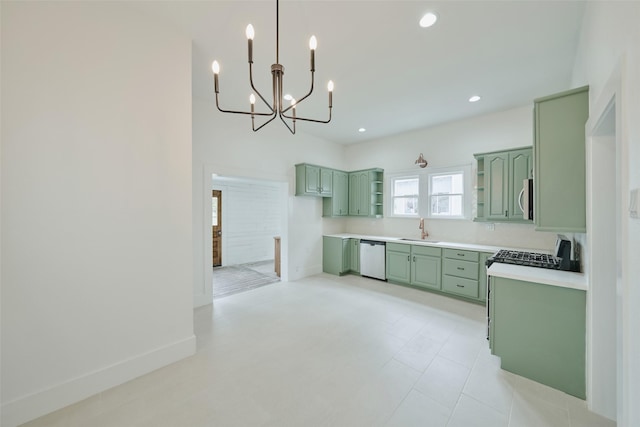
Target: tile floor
[329,351]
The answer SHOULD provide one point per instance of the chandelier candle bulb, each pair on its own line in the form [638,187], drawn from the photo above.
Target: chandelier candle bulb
[215,67]
[330,88]
[250,33]
[313,44]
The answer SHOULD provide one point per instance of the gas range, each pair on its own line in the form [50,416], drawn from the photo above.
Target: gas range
[530,259]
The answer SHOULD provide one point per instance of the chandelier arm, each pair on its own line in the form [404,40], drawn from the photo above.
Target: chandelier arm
[258,92]
[308,120]
[241,112]
[265,123]
[282,117]
[304,97]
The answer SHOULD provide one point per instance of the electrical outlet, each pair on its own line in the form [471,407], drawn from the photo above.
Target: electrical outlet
[490,226]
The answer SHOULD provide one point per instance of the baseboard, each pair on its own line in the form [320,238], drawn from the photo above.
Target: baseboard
[37,404]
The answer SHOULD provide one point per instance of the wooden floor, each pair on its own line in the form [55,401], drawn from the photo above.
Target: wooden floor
[240,278]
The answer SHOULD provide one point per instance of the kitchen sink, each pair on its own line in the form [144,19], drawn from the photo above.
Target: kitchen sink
[420,240]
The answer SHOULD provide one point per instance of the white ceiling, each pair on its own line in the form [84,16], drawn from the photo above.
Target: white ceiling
[390,75]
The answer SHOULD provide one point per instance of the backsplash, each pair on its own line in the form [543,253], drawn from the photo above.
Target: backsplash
[521,236]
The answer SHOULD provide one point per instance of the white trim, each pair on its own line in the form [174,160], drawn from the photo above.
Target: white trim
[40,403]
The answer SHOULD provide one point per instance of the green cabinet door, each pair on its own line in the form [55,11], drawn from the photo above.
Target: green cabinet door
[520,168]
[326,182]
[335,255]
[425,271]
[354,194]
[560,171]
[312,182]
[338,203]
[539,332]
[496,175]
[398,263]
[364,194]
[354,264]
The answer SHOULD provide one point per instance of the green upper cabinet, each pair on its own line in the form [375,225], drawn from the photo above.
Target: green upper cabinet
[497,175]
[365,193]
[313,180]
[559,149]
[500,181]
[338,203]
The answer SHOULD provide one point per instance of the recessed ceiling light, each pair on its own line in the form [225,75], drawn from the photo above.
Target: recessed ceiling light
[362,130]
[428,20]
[474,98]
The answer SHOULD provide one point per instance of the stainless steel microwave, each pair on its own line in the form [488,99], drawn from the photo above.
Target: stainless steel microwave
[526,199]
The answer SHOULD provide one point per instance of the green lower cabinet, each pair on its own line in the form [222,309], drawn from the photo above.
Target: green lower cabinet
[539,332]
[335,255]
[398,263]
[354,250]
[425,267]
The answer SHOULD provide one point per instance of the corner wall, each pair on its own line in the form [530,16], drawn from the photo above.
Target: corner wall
[96,202]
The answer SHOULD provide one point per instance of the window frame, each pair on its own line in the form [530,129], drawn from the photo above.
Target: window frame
[392,197]
[424,191]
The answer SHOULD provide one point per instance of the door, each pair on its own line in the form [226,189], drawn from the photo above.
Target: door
[216,226]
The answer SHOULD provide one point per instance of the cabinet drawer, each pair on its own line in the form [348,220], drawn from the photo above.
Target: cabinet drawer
[426,250]
[399,247]
[460,254]
[466,269]
[460,286]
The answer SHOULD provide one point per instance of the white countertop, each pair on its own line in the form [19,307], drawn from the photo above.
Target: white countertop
[564,279]
[427,242]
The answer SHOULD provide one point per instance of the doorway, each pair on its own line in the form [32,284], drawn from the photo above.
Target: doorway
[216,227]
[246,252]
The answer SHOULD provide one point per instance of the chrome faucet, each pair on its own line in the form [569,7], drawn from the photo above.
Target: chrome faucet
[424,231]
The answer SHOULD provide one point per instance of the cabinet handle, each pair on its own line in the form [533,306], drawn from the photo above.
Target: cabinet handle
[460,268]
[460,286]
[459,254]
[505,213]
[414,259]
[409,258]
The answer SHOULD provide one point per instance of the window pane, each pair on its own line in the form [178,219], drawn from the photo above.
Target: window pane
[446,205]
[405,187]
[405,206]
[447,184]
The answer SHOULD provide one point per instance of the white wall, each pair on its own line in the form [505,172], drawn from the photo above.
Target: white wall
[96,201]
[450,144]
[610,46]
[252,215]
[225,144]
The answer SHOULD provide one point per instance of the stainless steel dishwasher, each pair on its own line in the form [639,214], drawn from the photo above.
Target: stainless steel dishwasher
[372,259]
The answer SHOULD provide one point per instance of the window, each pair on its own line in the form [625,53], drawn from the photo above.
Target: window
[404,195]
[446,194]
[431,193]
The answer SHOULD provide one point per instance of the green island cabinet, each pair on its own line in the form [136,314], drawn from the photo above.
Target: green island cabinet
[338,203]
[365,193]
[539,332]
[559,166]
[500,177]
[414,265]
[340,256]
[312,180]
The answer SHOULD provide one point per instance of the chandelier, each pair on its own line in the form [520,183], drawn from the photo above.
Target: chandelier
[276,107]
